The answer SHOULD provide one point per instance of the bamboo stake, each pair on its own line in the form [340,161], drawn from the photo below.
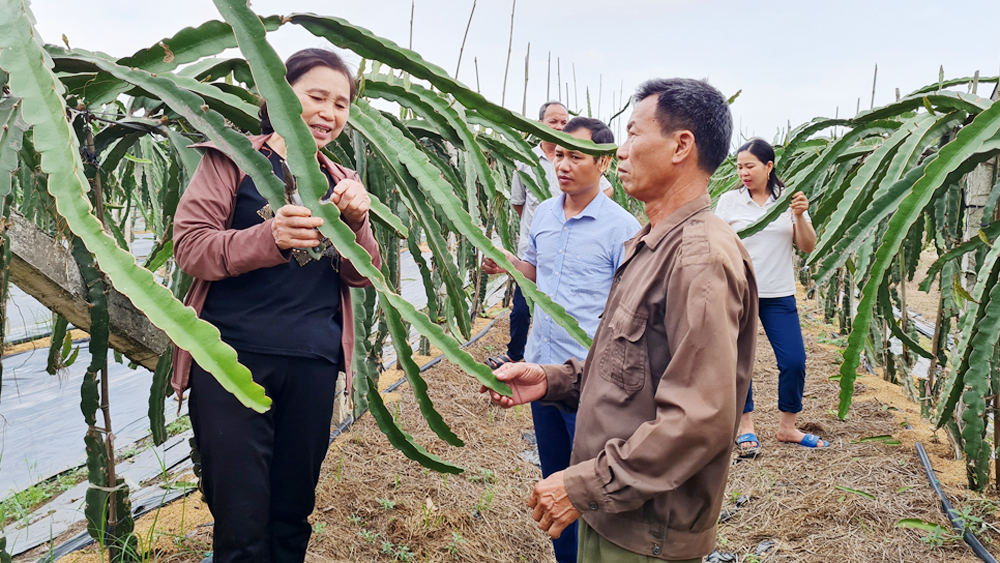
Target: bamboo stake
[98,193]
[464,37]
[975,82]
[889,374]
[510,48]
[874,82]
[904,320]
[600,91]
[576,91]
[105,386]
[897,94]
[621,100]
[548,79]
[475,61]
[935,349]
[996,438]
[559,81]
[524,104]
[413,9]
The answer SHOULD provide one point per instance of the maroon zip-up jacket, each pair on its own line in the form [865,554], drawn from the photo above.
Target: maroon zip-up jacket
[207,249]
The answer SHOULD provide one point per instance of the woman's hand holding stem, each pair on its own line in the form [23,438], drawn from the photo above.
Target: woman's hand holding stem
[295,227]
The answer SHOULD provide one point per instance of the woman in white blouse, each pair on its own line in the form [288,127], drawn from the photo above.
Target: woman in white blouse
[773,256]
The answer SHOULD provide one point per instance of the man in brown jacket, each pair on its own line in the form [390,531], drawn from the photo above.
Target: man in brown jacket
[660,393]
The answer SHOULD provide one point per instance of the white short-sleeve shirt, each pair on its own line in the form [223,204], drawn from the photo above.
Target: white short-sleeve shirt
[770,250]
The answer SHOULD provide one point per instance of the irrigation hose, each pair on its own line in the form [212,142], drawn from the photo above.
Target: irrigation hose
[83,539]
[953,515]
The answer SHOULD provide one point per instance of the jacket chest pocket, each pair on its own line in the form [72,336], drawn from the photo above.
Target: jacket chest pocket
[624,359]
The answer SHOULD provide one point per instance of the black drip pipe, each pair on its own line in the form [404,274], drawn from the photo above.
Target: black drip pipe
[953,515]
[83,539]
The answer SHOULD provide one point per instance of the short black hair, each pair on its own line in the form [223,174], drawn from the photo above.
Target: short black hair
[545,106]
[599,132]
[694,105]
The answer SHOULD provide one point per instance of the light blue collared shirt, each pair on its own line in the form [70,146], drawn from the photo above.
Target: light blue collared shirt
[575,263]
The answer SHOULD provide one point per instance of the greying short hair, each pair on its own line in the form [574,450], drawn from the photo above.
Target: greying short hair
[545,106]
[694,105]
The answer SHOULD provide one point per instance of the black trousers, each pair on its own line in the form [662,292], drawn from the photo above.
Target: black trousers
[520,324]
[260,471]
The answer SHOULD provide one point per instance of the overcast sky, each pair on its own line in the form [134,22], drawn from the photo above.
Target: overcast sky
[793,60]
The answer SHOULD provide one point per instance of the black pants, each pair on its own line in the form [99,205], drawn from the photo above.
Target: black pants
[520,324]
[260,471]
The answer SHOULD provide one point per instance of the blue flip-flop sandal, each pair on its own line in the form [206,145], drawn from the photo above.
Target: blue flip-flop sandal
[747,438]
[811,441]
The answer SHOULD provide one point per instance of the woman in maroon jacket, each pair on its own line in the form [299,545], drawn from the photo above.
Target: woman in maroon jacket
[287,314]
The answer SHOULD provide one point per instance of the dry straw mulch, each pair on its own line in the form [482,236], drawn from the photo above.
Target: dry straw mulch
[373,504]
[794,499]
[369,488]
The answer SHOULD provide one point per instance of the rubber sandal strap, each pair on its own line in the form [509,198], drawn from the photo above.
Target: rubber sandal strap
[812,440]
[495,362]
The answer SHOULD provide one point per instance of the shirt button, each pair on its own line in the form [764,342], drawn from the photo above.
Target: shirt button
[592,505]
[557,273]
[565,228]
[560,252]
[656,550]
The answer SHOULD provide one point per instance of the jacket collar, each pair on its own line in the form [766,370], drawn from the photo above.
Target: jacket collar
[651,236]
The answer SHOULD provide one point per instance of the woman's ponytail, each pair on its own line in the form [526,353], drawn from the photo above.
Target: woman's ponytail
[774,184]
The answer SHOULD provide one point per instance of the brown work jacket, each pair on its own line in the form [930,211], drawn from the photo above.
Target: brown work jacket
[206,248]
[659,397]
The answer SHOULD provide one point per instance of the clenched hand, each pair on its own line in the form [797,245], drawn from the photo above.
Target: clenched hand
[295,227]
[551,506]
[353,201]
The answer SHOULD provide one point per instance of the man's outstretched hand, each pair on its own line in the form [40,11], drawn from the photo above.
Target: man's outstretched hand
[527,383]
[490,267]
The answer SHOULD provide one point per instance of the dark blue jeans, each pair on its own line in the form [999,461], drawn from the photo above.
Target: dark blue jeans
[554,430]
[780,319]
[520,323]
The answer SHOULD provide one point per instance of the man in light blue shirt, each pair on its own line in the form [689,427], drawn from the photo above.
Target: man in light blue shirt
[575,244]
[554,115]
